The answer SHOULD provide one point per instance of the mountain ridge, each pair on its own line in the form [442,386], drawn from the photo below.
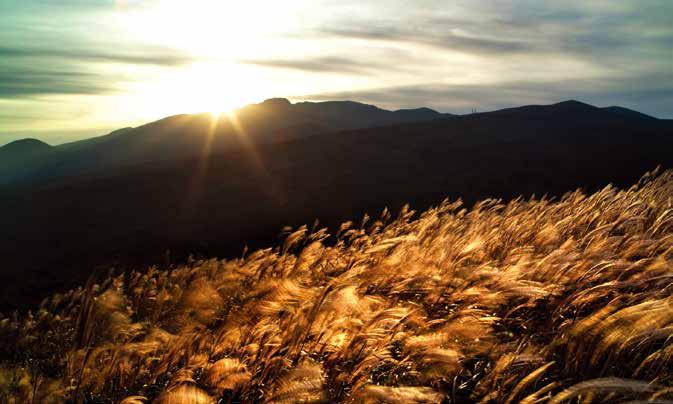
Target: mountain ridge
[275,120]
[284,103]
[181,136]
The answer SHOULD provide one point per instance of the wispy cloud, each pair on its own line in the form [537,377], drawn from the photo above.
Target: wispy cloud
[328,64]
[21,82]
[141,55]
[448,38]
[31,71]
[578,29]
[70,47]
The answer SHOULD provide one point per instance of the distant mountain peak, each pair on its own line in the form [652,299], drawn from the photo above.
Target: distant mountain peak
[25,145]
[421,110]
[574,104]
[276,102]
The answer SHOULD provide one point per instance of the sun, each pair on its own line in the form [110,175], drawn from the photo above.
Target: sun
[221,87]
[204,87]
[215,38]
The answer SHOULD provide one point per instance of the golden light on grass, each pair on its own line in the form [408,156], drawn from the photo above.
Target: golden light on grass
[527,301]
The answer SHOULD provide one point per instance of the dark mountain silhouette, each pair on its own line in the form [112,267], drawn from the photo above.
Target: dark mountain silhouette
[21,151]
[24,146]
[272,121]
[215,203]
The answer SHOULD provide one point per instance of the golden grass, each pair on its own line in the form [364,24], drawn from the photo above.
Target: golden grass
[530,301]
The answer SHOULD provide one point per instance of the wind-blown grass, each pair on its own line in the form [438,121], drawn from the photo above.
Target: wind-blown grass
[530,301]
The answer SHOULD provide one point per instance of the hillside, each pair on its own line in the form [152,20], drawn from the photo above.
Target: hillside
[529,301]
[161,212]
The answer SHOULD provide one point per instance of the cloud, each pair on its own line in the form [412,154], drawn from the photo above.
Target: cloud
[599,32]
[445,38]
[30,71]
[149,56]
[71,47]
[328,64]
[24,82]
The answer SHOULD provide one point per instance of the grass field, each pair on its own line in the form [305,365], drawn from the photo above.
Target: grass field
[534,301]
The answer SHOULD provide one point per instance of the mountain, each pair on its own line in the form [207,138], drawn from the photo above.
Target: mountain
[212,204]
[21,151]
[272,121]
[576,113]
[23,146]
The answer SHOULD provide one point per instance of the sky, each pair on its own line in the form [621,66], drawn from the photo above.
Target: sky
[71,69]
